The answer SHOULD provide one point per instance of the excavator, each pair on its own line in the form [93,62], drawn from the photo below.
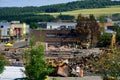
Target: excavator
[113,41]
[112,44]
[85,45]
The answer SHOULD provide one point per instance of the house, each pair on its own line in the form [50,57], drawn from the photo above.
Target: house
[57,25]
[19,30]
[4,31]
[55,33]
[117,22]
[108,25]
[13,30]
[54,37]
[109,29]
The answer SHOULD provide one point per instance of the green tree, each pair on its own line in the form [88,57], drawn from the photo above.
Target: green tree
[33,25]
[108,63]
[104,40]
[116,17]
[117,30]
[2,63]
[65,17]
[102,22]
[35,65]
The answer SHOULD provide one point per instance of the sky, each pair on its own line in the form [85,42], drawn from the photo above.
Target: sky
[23,3]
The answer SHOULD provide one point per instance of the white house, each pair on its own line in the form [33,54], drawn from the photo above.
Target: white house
[57,25]
[4,29]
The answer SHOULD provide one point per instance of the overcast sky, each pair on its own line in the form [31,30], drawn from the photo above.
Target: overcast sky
[22,3]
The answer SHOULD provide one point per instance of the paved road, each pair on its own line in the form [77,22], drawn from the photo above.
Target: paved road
[2,47]
[77,78]
[19,44]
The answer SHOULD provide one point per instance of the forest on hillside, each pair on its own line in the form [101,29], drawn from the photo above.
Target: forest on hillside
[75,5]
[28,14]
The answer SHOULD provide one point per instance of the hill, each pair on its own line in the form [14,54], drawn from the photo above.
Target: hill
[80,4]
[86,12]
[34,14]
[70,6]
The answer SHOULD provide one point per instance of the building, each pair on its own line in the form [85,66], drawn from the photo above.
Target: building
[19,30]
[4,31]
[59,34]
[108,25]
[117,22]
[13,30]
[55,33]
[57,25]
[54,37]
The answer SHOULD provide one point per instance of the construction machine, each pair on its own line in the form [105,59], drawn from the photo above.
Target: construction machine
[85,45]
[113,41]
[112,44]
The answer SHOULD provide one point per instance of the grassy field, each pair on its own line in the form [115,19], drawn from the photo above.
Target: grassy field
[86,12]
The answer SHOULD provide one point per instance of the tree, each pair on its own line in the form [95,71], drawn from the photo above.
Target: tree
[87,29]
[116,17]
[35,65]
[95,30]
[104,40]
[117,30]
[82,28]
[33,25]
[108,63]
[65,17]
[2,63]
[102,23]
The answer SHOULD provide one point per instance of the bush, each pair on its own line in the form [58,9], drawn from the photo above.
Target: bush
[2,63]
[36,67]
[109,78]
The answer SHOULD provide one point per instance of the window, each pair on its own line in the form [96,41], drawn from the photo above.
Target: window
[50,27]
[63,27]
[42,25]
[110,27]
[70,27]
[51,35]
[61,35]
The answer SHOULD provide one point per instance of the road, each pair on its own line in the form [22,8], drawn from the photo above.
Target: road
[77,78]
[17,44]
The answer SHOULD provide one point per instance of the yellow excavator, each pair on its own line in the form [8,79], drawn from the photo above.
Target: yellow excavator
[113,41]
[85,45]
[112,44]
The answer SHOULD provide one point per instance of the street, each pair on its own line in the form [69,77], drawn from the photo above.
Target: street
[20,44]
[17,44]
